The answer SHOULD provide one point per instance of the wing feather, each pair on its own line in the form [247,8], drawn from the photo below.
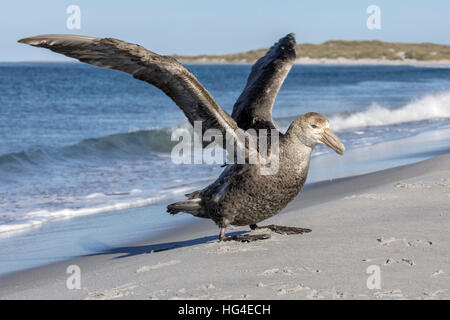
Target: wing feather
[253,109]
[163,72]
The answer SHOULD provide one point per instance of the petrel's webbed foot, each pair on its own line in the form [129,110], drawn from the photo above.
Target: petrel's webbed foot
[246,237]
[281,229]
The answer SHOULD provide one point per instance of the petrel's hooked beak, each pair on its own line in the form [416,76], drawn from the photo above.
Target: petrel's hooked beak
[329,139]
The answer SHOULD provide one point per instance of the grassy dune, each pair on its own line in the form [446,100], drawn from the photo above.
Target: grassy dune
[334,49]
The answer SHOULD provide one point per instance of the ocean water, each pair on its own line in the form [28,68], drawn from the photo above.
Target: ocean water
[77,140]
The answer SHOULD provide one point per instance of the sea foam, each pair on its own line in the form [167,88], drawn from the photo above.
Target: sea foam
[18,222]
[426,108]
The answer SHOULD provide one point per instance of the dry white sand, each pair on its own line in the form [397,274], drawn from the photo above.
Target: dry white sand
[397,220]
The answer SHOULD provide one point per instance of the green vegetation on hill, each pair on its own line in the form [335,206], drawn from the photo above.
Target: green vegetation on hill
[342,49]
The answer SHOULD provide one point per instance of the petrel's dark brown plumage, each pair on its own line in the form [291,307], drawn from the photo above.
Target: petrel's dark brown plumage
[241,195]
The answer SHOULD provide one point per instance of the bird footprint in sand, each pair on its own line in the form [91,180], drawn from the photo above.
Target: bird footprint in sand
[407,243]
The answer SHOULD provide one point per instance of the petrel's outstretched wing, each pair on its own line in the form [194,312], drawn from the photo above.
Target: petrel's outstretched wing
[161,71]
[253,109]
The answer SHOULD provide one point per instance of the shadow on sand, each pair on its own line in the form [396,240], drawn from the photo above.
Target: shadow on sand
[125,252]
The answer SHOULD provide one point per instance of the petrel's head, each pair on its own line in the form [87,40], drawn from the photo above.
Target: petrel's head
[312,128]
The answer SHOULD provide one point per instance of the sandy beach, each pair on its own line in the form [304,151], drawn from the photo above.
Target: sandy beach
[396,220]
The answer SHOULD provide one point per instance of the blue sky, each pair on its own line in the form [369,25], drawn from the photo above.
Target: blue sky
[201,26]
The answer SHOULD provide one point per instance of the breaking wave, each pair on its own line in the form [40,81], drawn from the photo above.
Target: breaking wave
[427,108]
[121,144]
[145,142]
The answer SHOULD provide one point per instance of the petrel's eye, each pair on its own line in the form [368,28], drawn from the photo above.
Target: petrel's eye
[314,126]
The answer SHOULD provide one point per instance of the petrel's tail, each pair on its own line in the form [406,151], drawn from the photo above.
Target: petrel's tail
[191,206]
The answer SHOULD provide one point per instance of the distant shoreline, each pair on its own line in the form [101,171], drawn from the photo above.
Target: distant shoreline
[326,61]
[334,52]
[300,61]
[345,61]
[338,52]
